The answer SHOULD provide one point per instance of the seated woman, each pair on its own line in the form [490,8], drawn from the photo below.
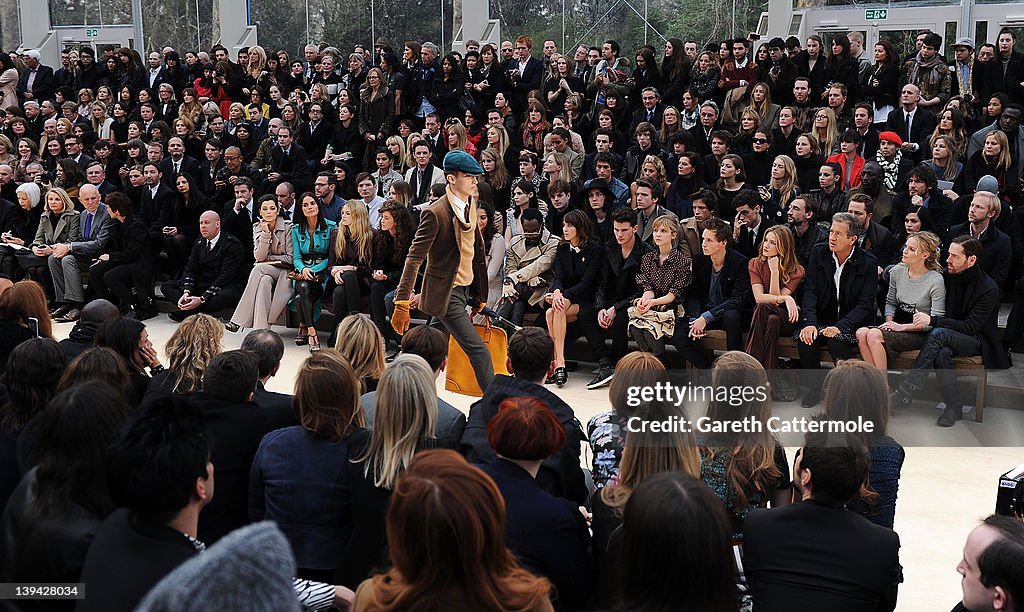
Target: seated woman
[130,339]
[60,224]
[916,219]
[311,241]
[182,227]
[524,195]
[854,389]
[547,535]
[351,258]
[781,189]
[573,286]
[946,165]
[20,227]
[124,272]
[60,504]
[299,473]
[390,247]
[190,349]
[849,160]
[494,248]
[404,419]
[664,276]
[915,285]
[359,341]
[268,290]
[748,470]
[23,316]
[775,276]
[442,499]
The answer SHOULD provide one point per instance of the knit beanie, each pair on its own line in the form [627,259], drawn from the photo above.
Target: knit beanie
[988,183]
[250,569]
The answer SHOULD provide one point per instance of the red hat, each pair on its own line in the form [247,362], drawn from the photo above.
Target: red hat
[892,137]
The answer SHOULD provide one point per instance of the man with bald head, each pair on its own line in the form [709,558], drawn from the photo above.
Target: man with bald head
[214,275]
[69,259]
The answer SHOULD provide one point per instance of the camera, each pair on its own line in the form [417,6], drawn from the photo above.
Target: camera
[48,177]
[223,174]
[1010,493]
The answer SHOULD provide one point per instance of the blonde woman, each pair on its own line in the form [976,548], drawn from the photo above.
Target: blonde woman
[781,189]
[268,290]
[654,169]
[761,103]
[458,140]
[361,344]
[496,176]
[399,154]
[351,258]
[556,166]
[190,349]
[85,102]
[825,130]
[915,285]
[745,470]
[236,115]
[775,275]
[60,223]
[101,123]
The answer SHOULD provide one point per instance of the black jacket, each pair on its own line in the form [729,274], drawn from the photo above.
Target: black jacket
[735,282]
[995,80]
[815,235]
[575,274]
[207,272]
[940,206]
[972,308]
[560,473]
[616,286]
[921,130]
[155,211]
[878,241]
[855,307]
[996,253]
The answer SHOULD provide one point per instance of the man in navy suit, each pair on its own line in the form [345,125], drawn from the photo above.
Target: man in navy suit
[650,111]
[69,259]
[525,71]
[37,82]
[288,162]
[922,123]
[213,277]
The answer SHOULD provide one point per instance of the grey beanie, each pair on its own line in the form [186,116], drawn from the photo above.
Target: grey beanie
[250,569]
[988,183]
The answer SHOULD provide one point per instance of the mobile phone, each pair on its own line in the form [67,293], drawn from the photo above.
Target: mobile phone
[33,324]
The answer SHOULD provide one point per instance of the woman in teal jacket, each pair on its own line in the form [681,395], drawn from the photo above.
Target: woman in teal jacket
[311,242]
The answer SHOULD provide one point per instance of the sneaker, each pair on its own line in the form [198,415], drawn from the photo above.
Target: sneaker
[950,416]
[603,377]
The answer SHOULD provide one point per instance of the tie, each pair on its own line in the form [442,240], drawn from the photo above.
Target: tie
[465,213]
[88,226]
[908,127]
[209,246]
[650,116]
[177,167]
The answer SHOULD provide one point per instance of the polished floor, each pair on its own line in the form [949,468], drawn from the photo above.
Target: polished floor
[948,482]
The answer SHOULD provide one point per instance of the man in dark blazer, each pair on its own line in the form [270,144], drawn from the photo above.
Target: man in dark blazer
[790,553]
[456,272]
[268,347]
[874,238]
[37,82]
[718,298]
[68,260]
[997,251]
[239,215]
[916,141]
[156,204]
[525,72]
[701,133]
[314,135]
[832,315]
[863,122]
[214,275]
[164,478]
[288,163]
[750,223]
[648,208]
[177,163]
[651,110]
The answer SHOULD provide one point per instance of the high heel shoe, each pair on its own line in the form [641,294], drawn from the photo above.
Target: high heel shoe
[303,338]
[314,343]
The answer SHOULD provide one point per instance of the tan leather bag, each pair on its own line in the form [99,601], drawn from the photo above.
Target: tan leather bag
[459,376]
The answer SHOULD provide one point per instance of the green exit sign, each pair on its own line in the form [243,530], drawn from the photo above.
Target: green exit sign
[876,14]
[92,32]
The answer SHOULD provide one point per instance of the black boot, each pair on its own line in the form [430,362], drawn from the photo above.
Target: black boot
[902,396]
[146,309]
[950,416]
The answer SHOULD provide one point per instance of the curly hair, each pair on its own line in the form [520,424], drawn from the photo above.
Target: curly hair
[191,348]
[405,227]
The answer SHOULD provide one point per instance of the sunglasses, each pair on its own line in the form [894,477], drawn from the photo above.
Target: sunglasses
[759,140]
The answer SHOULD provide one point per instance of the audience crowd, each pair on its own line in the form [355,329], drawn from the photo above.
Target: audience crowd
[789,196]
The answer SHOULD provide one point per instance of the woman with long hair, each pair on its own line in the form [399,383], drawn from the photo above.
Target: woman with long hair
[496,176]
[556,167]
[390,248]
[652,168]
[688,180]
[129,338]
[190,349]
[445,532]
[854,390]
[748,126]
[376,113]
[732,179]
[361,344]
[748,470]
[915,285]
[312,235]
[268,289]
[119,127]
[508,118]
[23,316]
[299,473]
[670,124]
[457,137]
[704,77]
[945,161]
[645,74]
[561,84]
[573,285]
[775,276]
[28,153]
[807,161]
[842,67]
[951,123]
[534,128]
[494,249]
[781,189]
[882,81]
[447,87]
[994,159]
[675,71]
[524,196]
[824,129]
[761,103]
[182,227]
[811,63]
[351,258]
[100,122]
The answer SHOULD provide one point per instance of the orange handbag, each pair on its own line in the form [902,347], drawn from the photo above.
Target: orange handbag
[459,376]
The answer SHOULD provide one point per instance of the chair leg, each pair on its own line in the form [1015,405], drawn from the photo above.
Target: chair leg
[979,401]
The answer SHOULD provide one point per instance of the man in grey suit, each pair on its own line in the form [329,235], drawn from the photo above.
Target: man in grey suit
[69,259]
[432,345]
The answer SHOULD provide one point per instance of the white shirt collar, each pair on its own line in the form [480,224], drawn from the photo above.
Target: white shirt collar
[213,241]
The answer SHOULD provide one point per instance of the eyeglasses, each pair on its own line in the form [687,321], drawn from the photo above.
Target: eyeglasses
[707,114]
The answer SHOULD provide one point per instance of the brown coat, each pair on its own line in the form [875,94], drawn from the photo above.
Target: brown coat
[436,243]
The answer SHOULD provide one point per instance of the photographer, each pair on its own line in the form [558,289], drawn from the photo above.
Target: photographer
[233,170]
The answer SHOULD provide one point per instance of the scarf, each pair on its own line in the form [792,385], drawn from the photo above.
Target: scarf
[965,88]
[921,65]
[891,168]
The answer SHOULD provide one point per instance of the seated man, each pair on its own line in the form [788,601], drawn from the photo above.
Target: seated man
[648,208]
[616,290]
[828,473]
[719,297]
[288,163]
[922,190]
[69,259]
[997,252]
[993,556]
[832,314]
[528,273]
[751,223]
[807,232]
[530,359]
[874,238]
[268,348]
[123,272]
[605,167]
[161,478]
[871,184]
[970,327]
[432,345]
[705,206]
[214,277]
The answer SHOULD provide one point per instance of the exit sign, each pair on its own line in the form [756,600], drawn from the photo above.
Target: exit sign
[876,14]
[92,32]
